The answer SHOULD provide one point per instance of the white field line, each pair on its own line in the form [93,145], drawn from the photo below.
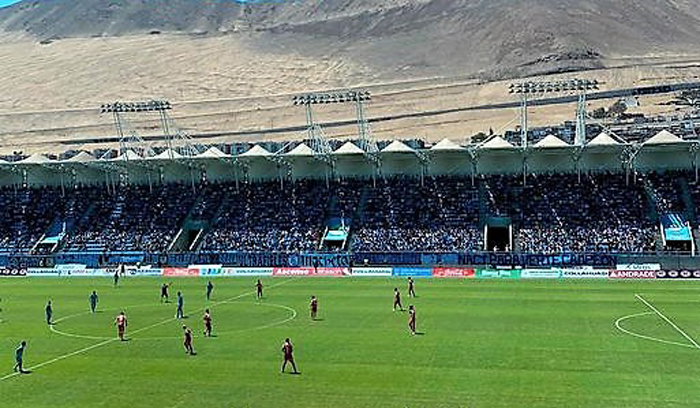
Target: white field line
[262,327]
[618,325]
[105,342]
[675,326]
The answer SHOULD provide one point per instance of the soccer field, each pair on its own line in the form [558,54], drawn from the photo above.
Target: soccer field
[481,344]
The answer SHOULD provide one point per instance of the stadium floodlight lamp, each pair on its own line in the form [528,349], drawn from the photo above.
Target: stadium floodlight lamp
[129,107]
[572,85]
[333,97]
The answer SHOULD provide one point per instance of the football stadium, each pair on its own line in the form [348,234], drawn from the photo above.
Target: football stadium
[375,231]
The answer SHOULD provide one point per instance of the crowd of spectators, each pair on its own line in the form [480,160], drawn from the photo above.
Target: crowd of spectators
[269,216]
[560,213]
[405,214]
[549,214]
[132,218]
[24,216]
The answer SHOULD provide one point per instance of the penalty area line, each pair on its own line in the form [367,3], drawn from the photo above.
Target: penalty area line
[105,342]
[667,320]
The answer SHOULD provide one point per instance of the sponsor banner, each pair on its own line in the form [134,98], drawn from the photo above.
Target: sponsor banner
[540,273]
[615,274]
[639,267]
[292,271]
[207,270]
[70,267]
[79,272]
[413,272]
[678,274]
[246,271]
[584,273]
[330,272]
[43,272]
[103,272]
[454,272]
[144,271]
[180,272]
[12,272]
[362,272]
[498,273]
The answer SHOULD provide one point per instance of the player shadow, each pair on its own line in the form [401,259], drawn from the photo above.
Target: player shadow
[420,333]
[23,372]
[126,339]
[293,373]
[318,320]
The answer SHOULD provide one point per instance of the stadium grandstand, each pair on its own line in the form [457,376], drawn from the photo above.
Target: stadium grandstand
[259,204]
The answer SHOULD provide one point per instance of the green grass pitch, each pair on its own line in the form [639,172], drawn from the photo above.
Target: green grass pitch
[484,344]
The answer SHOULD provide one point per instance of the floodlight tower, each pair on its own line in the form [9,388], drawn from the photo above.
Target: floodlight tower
[119,108]
[575,85]
[314,131]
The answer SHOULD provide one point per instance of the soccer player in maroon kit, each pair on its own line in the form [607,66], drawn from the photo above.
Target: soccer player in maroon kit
[397,300]
[188,341]
[411,289]
[288,351]
[259,287]
[412,319]
[207,323]
[314,307]
[121,325]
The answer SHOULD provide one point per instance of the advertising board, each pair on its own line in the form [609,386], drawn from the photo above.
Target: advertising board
[678,274]
[292,271]
[413,272]
[584,273]
[144,271]
[181,272]
[330,272]
[498,274]
[648,274]
[12,272]
[454,272]
[369,272]
[207,270]
[43,272]
[246,271]
[540,273]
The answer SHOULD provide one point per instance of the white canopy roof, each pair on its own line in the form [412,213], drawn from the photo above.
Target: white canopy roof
[497,142]
[256,151]
[551,141]
[603,139]
[36,158]
[301,150]
[82,157]
[446,145]
[212,153]
[349,148]
[663,137]
[128,155]
[166,155]
[398,147]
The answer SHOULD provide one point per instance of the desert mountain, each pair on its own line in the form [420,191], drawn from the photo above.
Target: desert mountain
[419,37]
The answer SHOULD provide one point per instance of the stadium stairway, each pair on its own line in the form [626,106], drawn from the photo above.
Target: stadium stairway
[196,224]
[73,217]
[687,198]
[357,216]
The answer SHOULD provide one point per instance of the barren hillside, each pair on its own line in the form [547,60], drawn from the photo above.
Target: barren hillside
[418,37]
[230,67]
